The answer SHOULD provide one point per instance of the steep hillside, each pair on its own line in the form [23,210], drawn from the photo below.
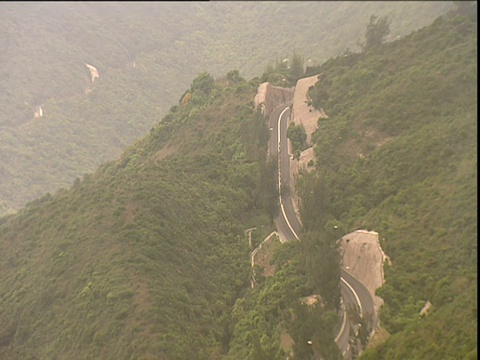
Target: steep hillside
[398,155]
[146,55]
[146,257]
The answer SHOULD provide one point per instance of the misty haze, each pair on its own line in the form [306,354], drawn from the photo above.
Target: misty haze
[238,180]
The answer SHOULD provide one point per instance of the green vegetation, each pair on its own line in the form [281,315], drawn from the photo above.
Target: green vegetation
[275,307]
[298,138]
[398,155]
[146,257]
[286,72]
[146,55]
[377,30]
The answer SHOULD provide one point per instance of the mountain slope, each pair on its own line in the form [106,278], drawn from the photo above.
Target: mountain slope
[144,258]
[398,156]
[146,55]
[147,258]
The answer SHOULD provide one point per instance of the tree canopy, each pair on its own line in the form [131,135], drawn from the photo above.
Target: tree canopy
[377,30]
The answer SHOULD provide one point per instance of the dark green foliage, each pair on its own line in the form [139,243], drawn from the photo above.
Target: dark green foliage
[315,207]
[322,265]
[309,329]
[147,256]
[275,306]
[266,190]
[233,77]
[203,83]
[377,30]
[297,70]
[298,138]
[398,156]
[319,96]
[261,314]
[286,71]
[276,75]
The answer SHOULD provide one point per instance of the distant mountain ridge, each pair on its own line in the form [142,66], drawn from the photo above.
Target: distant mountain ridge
[46,45]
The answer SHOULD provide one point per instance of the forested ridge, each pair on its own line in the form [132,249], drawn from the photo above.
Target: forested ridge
[398,155]
[147,258]
[146,55]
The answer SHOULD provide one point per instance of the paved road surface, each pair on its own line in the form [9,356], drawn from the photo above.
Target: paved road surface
[289,228]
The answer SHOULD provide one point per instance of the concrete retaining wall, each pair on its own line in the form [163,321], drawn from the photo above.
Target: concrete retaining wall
[269,97]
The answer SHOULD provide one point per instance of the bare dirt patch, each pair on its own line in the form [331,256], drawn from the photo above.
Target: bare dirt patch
[286,342]
[363,257]
[303,113]
[306,115]
[166,151]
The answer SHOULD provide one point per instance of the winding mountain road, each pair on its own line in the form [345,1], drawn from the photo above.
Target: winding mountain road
[353,292]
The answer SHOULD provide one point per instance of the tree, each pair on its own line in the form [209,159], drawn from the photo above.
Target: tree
[233,77]
[319,95]
[377,30]
[322,265]
[203,82]
[315,205]
[286,72]
[266,190]
[296,70]
[310,326]
[298,137]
